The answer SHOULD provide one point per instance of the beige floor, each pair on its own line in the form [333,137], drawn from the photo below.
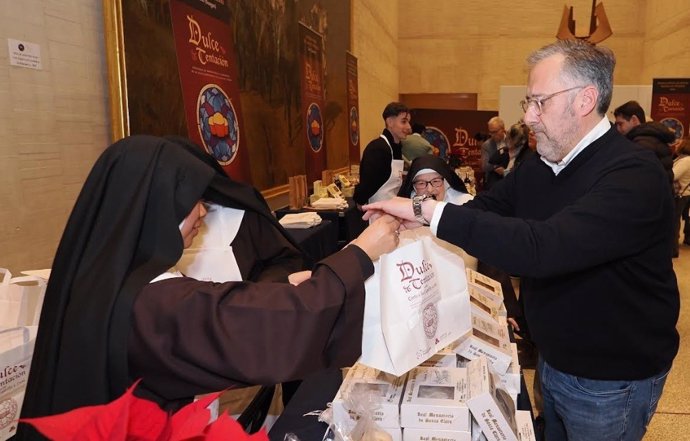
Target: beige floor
[672,419]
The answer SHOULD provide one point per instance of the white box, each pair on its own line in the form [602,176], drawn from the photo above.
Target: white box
[446,357]
[435,398]
[483,304]
[358,432]
[510,381]
[487,338]
[415,434]
[490,405]
[488,286]
[525,426]
[361,380]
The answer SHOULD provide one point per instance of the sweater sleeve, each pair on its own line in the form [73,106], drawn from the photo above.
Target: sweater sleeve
[598,227]
[190,337]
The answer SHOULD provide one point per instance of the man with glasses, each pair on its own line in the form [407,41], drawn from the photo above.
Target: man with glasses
[587,226]
[497,140]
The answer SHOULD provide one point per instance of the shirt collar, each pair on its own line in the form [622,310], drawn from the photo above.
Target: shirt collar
[597,132]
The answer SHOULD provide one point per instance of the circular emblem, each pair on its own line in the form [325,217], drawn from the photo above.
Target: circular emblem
[439,140]
[8,412]
[354,126]
[314,127]
[675,125]
[218,126]
[430,317]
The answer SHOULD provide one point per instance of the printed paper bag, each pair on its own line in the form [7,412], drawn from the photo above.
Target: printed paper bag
[16,349]
[21,299]
[417,303]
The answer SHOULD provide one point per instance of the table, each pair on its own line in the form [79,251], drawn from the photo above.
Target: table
[315,392]
[348,220]
[318,241]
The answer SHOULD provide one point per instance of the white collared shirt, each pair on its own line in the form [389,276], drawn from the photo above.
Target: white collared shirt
[597,132]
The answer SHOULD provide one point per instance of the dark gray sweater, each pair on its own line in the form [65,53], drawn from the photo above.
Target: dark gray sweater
[593,248]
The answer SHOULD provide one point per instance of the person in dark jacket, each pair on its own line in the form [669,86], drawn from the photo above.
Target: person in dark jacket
[631,122]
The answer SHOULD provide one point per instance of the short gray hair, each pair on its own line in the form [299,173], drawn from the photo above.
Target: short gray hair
[583,62]
[498,121]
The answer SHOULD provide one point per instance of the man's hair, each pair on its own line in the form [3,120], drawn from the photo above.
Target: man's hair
[629,109]
[418,128]
[585,64]
[497,121]
[394,109]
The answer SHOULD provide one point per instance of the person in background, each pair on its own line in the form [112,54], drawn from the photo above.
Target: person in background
[381,168]
[516,150]
[415,145]
[681,172]
[116,310]
[497,141]
[631,122]
[590,223]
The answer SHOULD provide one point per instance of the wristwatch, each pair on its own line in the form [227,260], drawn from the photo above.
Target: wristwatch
[417,207]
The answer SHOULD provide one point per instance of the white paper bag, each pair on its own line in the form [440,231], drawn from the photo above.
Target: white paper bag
[21,299]
[416,304]
[16,349]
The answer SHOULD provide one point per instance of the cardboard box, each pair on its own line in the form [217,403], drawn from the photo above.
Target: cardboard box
[443,358]
[361,381]
[490,405]
[510,381]
[487,338]
[482,304]
[488,286]
[435,398]
[525,427]
[414,434]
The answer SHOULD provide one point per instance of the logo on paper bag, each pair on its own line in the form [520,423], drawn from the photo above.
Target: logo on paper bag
[430,317]
[412,277]
[8,412]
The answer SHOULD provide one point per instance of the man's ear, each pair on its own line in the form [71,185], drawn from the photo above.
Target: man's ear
[635,120]
[588,100]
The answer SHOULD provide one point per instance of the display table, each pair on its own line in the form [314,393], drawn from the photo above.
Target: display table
[318,241]
[348,220]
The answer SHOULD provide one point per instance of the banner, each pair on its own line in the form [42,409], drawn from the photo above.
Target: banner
[453,132]
[312,88]
[671,104]
[352,106]
[208,73]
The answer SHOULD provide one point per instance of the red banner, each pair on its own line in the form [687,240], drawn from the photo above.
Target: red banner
[208,73]
[453,132]
[352,106]
[671,104]
[312,85]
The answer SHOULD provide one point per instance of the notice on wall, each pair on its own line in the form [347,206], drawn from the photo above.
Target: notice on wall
[24,54]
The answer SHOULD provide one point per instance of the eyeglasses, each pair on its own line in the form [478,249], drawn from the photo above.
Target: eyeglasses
[539,102]
[421,185]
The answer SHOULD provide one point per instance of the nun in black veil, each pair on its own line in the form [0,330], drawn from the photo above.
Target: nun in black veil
[116,309]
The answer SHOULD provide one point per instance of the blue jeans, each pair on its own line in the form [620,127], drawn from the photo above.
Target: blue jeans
[581,409]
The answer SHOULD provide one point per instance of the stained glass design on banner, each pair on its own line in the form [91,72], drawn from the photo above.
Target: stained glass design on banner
[314,127]
[218,125]
[675,125]
[438,139]
[354,125]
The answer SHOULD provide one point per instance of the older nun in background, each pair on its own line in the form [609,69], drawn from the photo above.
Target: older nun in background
[430,175]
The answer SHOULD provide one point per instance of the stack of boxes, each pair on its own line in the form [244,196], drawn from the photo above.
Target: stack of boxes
[467,388]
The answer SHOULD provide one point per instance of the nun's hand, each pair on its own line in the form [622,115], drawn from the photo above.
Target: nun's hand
[380,237]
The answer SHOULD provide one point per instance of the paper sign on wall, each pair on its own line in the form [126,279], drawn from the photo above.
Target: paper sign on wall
[24,54]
